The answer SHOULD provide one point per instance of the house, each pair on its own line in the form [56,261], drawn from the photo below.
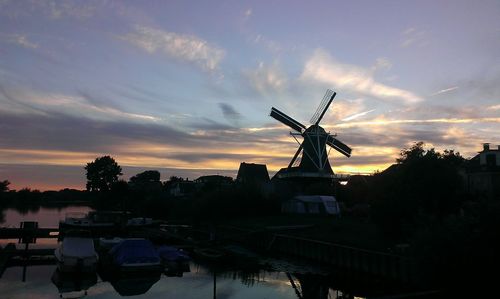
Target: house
[483,173]
[251,173]
[213,181]
[182,188]
[311,204]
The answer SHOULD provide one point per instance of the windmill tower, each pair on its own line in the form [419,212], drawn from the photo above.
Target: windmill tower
[313,148]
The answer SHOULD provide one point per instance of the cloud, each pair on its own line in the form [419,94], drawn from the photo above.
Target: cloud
[19,39]
[50,8]
[382,63]
[266,79]
[230,114]
[494,107]
[413,37]
[445,90]
[322,68]
[267,43]
[247,14]
[187,48]
[385,122]
[357,115]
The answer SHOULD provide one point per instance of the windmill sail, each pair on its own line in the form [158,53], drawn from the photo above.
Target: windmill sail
[339,146]
[323,106]
[287,120]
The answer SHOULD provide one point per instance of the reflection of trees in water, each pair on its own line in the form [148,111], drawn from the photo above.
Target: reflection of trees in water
[306,286]
[248,278]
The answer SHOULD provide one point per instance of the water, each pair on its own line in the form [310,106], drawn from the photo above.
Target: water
[201,282]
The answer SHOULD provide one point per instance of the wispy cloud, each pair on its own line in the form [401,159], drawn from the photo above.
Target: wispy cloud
[266,79]
[50,8]
[413,37]
[267,43]
[382,63]
[357,115]
[247,14]
[322,68]
[494,107]
[184,47]
[81,105]
[19,39]
[445,90]
[385,122]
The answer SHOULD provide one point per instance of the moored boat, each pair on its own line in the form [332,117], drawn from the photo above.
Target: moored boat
[76,254]
[133,255]
[104,222]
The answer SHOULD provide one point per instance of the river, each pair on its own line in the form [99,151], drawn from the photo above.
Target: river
[201,282]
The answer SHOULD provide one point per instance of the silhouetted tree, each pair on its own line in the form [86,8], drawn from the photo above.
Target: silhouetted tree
[102,173]
[4,186]
[173,179]
[413,153]
[147,181]
[423,186]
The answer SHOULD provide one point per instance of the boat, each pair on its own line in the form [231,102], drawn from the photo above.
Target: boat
[76,253]
[104,221]
[135,254]
[175,261]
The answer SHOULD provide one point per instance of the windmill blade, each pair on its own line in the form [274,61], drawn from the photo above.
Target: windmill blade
[295,156]
[339,146]
[287,120]
[323,106]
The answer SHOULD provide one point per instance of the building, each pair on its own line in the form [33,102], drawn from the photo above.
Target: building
[182,188]
[251,173]
[483,173]
[211,182]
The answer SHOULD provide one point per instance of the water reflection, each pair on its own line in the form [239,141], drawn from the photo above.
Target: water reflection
[70,283]
[201,282]
[133,284]
[239,280]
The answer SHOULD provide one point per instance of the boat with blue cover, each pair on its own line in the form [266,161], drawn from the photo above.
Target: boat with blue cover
[135,255]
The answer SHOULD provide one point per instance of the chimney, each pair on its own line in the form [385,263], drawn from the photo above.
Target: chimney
[486,147]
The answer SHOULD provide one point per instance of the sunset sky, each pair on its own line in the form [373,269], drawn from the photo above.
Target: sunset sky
[185,87]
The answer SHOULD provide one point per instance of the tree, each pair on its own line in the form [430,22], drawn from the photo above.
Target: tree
[4,186]
[424,185]
[147,181]
[415,152]
[102,173]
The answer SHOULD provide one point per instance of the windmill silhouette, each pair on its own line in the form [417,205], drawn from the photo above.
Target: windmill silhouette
[314,161]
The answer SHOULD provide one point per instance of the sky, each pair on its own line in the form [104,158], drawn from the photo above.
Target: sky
[185,87]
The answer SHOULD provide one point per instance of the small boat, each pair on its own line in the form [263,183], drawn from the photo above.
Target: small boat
[76,254]
[173,259]
[104,221]
[135,255]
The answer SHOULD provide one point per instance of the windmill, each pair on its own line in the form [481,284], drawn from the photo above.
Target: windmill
[314,161]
